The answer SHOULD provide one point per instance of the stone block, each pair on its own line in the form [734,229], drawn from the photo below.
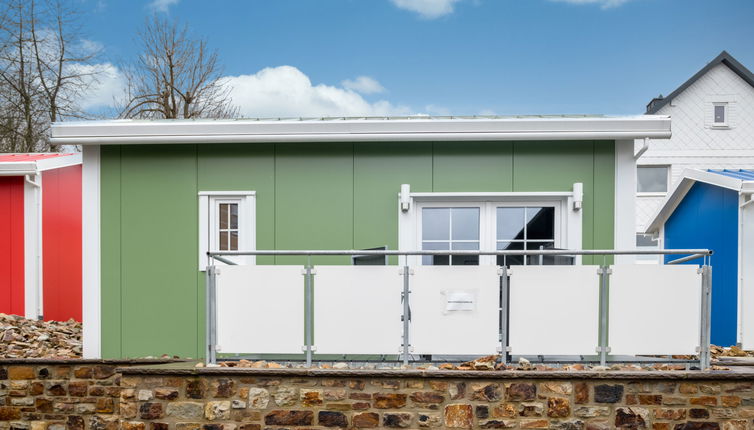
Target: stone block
[185,410]
[258,398]
[289,418]
[366,420]
[332,419]
[458,416]
[558,407]
[397,420]
[389,401]
[520,392]
[608,393]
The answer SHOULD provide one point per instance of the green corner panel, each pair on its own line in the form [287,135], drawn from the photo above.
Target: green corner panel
[308,196]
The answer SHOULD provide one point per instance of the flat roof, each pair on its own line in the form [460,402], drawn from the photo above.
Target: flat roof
[362,129]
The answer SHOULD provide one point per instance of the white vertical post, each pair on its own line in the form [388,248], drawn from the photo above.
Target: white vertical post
[604,317]
[90,255]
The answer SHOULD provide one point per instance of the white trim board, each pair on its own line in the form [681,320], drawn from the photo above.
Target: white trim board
[625,200]
[91,271]
[360,130]
[33,246]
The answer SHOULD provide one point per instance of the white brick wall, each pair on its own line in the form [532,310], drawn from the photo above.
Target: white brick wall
[695,143]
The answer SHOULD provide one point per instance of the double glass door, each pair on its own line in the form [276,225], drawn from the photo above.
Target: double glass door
[488,226]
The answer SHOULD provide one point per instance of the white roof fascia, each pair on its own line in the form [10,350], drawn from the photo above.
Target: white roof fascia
[16,168]
[20,168]
[58,162]
[363,130]
[688,178]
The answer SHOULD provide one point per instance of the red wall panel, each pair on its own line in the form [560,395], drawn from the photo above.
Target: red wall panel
[61,243]
[12,245]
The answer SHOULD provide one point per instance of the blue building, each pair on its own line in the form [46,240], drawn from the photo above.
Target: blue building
[713,209]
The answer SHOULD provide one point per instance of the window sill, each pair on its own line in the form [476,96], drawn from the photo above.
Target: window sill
[658,194]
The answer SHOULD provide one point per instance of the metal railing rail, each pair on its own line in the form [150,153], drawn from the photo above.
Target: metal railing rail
[604,273]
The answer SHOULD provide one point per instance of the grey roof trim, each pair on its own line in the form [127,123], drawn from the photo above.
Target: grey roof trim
[724,58]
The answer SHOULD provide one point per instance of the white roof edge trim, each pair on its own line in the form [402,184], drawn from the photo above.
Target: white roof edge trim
[19,168]
[688,178]
[59,162]
[141,132]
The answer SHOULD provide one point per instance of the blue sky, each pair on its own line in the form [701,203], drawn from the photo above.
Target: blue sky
[355,57]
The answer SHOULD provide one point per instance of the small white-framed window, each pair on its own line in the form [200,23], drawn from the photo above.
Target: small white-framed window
[720,114]
[652,180]
[227,222]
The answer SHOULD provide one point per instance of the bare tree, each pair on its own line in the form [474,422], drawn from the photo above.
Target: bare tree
[175,77]
[41,71]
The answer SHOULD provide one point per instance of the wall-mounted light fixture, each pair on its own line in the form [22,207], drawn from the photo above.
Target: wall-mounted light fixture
[405,197]
[578,195]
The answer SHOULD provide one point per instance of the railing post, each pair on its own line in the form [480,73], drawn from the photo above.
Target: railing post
[504,287]
[602,348]
[308,314]
[705,320]
[211,314]
[406,313]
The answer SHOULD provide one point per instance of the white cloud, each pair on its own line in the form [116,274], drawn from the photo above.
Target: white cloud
[428,9]
[604,4]
[162,5]
[285,91]
[106,84]
[363,85]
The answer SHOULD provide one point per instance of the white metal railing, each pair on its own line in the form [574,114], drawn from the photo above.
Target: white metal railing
[603,322]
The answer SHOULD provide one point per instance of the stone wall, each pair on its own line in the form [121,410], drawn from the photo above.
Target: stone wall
[61,394]
[215,399]
[95,395]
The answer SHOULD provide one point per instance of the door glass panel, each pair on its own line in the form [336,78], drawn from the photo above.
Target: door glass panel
[510,260]
[465,223]
[465,260]
[435,260]
[540,223]
[510,223]
[435,224]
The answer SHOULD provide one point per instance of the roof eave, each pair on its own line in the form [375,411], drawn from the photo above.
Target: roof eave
[240,131]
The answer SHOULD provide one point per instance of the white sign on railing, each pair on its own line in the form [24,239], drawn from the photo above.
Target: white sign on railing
[442,319]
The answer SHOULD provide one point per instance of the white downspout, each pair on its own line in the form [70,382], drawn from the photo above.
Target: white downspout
[38,256]
[643,149]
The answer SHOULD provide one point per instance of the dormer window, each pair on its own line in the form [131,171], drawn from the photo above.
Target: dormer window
[720,115]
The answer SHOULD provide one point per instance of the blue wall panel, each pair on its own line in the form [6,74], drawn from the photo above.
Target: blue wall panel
[708,218]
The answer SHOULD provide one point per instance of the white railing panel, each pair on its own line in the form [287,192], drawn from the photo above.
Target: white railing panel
[260,309]
[455,310]
[654,309]
[357,309]
[554,310]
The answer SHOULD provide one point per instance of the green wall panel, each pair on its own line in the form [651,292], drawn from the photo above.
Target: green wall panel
[314,199]
[472,166]
[379,171]
[309,196]
[159,250]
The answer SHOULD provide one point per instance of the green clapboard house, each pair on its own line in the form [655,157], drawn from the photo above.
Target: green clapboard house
[159,194]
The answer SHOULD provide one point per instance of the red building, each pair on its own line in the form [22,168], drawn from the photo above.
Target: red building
[40,235]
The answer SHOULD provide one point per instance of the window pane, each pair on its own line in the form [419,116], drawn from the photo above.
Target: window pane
[234,216]
[234,241]
[510,223]
[435,223]
[465,260]
[540,223]
[435,260]
[646,241]
[719,114]
[465,223]
[652,179]
[510,260]
[223,215]
[223,241]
